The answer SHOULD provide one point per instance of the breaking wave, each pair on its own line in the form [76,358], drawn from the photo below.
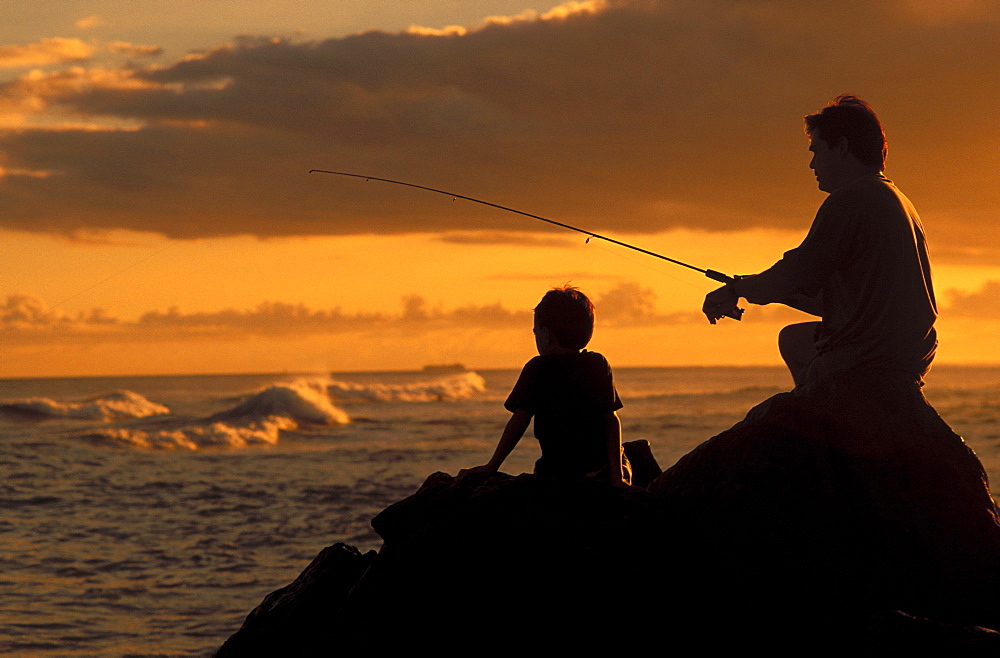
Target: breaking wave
[258,420]
[304,400]
[453,387]
[117,405]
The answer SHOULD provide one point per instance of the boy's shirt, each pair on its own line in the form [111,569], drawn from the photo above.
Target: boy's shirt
[569,396]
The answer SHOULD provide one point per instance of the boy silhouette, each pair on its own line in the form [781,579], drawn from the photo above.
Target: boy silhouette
[571,395]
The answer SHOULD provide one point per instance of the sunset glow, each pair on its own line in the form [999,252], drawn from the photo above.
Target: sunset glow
[157,214]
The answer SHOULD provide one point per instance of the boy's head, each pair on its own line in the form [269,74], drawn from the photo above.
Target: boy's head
[567,315]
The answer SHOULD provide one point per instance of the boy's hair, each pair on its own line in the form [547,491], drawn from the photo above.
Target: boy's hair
[849,116]
[568,315]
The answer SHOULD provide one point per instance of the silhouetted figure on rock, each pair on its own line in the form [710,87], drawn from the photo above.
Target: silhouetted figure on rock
[852,478]
[863,267]
[570,393]
[842,514]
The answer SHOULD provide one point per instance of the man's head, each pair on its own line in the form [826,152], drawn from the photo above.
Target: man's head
[566,316]
[846,140]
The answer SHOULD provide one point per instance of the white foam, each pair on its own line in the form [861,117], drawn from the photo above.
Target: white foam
[302,400]
[453,387]
[196,437]
[117,405]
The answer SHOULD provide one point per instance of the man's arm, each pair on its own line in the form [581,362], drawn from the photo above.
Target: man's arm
[613,438]
[797,279]
[512,433]
[765,288]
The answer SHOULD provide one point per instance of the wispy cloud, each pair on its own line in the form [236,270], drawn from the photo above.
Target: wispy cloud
[47,51]
[981,303]
[89,22]
[133,49]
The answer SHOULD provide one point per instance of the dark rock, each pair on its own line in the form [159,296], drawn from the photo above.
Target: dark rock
[807,527]
[645,469]
[892,632]
[301,618]
[851,499]
[475,553]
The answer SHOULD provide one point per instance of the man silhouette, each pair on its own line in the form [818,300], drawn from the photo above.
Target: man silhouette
[863,267]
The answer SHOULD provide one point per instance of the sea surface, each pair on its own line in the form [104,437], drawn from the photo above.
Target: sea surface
[146,516]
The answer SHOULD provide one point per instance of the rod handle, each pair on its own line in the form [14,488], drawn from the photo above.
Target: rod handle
[719,276]
[737,312]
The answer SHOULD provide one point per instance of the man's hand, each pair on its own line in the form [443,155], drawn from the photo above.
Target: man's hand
[719,303]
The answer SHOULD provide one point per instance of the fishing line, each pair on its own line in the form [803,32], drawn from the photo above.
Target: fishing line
[636,261]
[81,292]
[736,313]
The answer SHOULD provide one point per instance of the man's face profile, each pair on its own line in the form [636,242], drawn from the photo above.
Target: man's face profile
[825,163]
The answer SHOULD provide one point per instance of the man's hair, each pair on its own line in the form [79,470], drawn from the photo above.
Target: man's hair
[568,315]
[849,116]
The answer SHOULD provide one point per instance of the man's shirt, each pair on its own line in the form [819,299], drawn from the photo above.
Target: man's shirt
[865,259]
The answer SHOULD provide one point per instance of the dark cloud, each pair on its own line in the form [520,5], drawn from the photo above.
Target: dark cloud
[646,115]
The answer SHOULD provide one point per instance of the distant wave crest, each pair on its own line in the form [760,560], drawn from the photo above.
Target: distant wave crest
[117,405]
[453,387]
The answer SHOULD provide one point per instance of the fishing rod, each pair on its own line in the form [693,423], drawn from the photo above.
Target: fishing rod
[736,313]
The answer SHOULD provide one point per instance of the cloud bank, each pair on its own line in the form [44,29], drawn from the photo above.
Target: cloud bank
[622,115]
[26,318]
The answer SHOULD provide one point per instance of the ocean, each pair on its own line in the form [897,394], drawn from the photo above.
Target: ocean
[146,516]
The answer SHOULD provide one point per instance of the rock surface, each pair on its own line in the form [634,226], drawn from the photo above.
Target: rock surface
[296,619]
[808,526]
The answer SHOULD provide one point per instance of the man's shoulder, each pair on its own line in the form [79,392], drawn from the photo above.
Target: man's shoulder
[867,194]
[866,187]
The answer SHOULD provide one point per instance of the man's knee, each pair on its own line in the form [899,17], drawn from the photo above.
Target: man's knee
[797,345]
[799,336]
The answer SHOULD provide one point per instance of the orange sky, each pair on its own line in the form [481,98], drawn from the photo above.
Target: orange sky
[154,185]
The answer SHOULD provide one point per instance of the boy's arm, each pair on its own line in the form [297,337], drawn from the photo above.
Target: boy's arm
[512,433]
[613,437]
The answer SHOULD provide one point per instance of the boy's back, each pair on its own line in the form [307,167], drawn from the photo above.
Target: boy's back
[570,396]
